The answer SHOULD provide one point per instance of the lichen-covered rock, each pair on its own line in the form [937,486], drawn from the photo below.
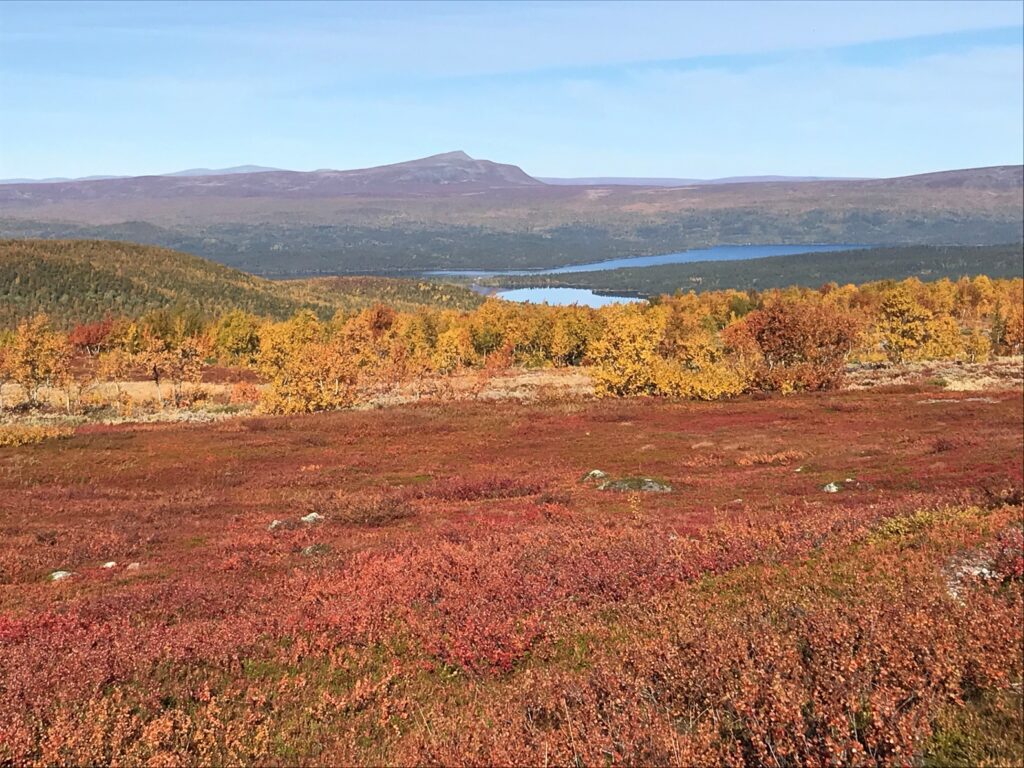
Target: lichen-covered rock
[642,484]
[315,550]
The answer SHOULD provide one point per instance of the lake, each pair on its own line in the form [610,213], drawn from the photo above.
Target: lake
[717,253]
[584,297]
[562,296]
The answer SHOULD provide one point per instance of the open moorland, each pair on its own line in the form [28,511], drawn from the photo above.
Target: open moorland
[823,577]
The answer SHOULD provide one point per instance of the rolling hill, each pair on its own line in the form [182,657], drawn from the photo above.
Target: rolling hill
[82,280]
[186,172]
[452,211]
[659,181]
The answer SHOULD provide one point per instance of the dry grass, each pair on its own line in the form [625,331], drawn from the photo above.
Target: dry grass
[27,434]
[999,373]
[781,457]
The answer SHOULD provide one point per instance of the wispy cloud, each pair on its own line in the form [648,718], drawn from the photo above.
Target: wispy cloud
[562,88]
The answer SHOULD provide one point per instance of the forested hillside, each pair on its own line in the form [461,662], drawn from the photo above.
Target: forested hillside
[808,269]
[82,280]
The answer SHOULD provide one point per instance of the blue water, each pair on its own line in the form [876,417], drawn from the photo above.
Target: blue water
[717,253]
[562,297]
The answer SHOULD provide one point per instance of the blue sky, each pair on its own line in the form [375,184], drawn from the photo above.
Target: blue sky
[685,89]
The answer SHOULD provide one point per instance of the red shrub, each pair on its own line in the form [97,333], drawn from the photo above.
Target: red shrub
[92,338]
[795,344]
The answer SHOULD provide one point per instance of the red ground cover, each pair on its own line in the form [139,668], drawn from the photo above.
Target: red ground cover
[465,581]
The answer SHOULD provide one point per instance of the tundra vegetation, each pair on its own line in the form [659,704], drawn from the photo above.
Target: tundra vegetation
[726,559]
[440,587]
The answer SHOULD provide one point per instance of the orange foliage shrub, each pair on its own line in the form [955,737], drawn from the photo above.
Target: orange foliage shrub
[244,393]
[795,345]
[92,338]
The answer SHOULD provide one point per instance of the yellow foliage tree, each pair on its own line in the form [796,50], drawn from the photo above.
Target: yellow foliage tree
[179,362]
[454,349]
[977,347]
[236,337]
[306,370]
[903,324]
[626,355]
[37,357]
[1013,331]
[114,366]
[573,331]
[943,339]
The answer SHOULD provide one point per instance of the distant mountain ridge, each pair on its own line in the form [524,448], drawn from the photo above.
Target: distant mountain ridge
[452,211]
[632,181]
[425,175]
[223,171]
[188,172]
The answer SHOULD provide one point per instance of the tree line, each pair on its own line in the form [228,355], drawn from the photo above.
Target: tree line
[689,345]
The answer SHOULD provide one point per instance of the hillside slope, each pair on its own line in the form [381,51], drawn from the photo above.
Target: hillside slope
[80,280]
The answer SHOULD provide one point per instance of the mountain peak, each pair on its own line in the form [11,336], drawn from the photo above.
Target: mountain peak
[456,155]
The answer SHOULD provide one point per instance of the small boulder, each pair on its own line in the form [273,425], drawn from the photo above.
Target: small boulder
[60,575]
[643,484]
[968,567]
[593,476]
[311,518]
[283,525]
[315,550]
[109,565]
[134,566]
[831,488]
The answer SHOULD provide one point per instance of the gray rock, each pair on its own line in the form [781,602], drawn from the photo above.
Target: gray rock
[315,550]
[282,525]
[60,575]
[312,517]
[593,476]
[109,565]
[134,566]
[643,484]
[831,488]
[965,568]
